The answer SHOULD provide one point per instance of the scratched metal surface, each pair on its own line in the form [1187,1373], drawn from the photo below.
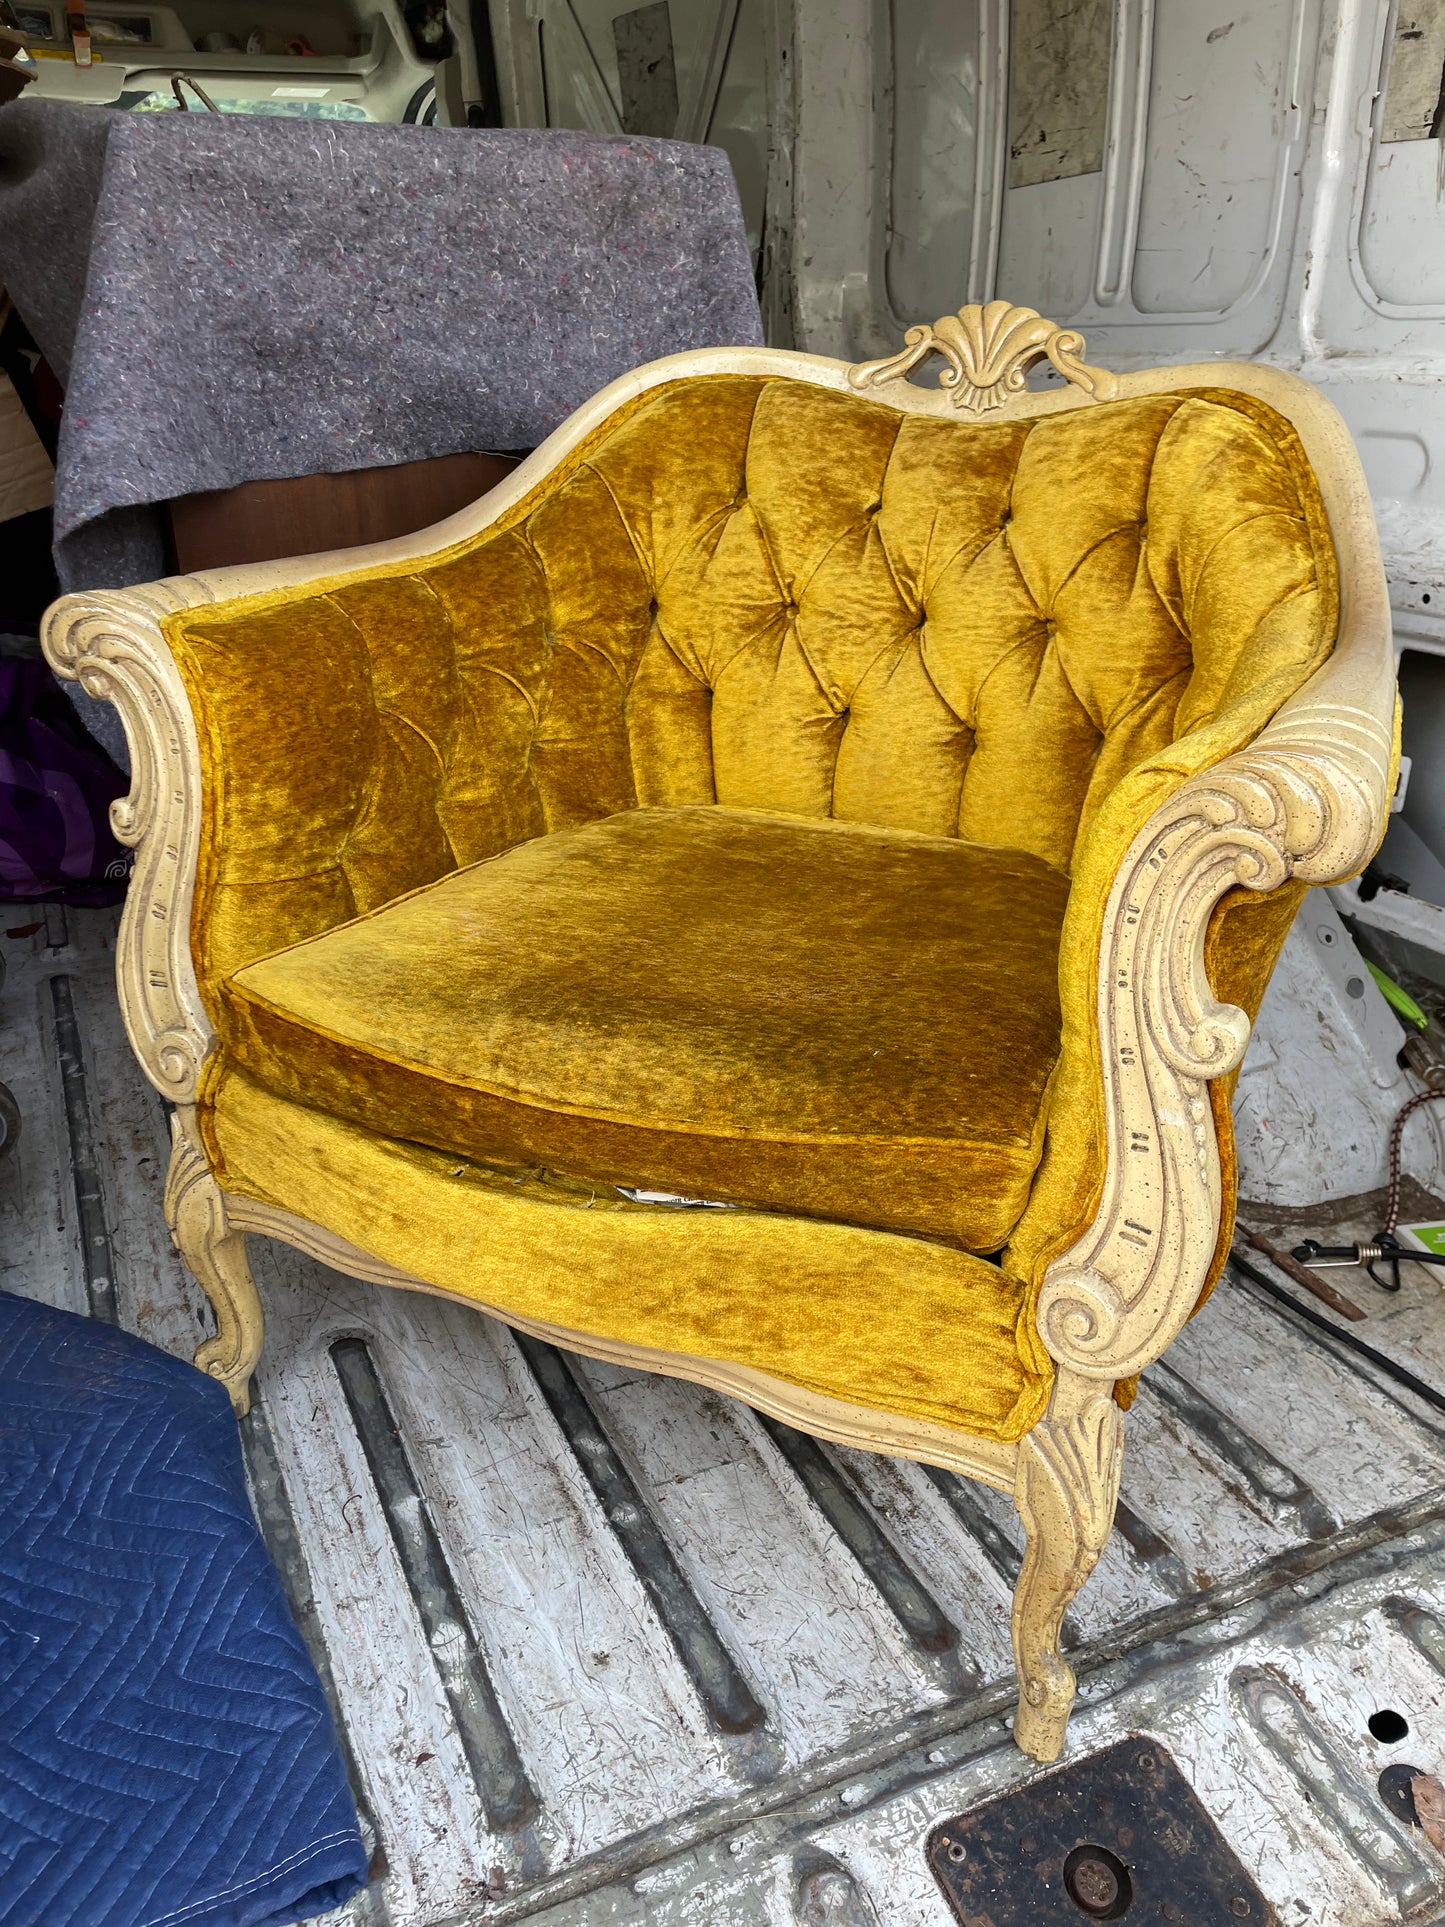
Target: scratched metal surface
[606,1648]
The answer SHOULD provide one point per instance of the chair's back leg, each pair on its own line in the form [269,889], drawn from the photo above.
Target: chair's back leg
[216,1255]
[1066,1489]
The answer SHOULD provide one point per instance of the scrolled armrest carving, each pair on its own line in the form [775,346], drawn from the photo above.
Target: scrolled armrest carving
[1306,800]
[111,644]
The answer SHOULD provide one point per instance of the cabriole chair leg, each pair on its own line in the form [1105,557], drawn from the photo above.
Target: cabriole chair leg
[216,1256]
[1066,1489]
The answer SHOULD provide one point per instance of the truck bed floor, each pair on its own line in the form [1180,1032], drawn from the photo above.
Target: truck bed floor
[605,1647]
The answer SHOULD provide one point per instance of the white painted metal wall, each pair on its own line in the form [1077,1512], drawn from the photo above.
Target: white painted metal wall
[1180,181]
[1321,1087]
[560,64]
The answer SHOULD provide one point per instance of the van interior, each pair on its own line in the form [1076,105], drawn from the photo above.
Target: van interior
[575,1634]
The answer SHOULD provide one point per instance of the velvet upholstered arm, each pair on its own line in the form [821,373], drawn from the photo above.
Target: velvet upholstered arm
[1203,836]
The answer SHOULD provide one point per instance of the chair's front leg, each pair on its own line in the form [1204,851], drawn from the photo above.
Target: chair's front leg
[215,1254]
[1066,1490]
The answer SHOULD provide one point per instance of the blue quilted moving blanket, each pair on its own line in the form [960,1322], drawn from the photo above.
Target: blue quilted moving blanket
[167,1758]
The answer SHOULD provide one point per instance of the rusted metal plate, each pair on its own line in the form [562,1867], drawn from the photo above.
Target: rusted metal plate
[1120,1834]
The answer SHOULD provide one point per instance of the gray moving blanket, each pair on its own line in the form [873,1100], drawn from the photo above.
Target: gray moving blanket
[267,298]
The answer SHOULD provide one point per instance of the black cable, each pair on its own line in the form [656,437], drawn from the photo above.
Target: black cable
[1384,1246]
[1346,1338]
[1384,1249]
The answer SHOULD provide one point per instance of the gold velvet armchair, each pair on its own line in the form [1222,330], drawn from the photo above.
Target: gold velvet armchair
[873,808]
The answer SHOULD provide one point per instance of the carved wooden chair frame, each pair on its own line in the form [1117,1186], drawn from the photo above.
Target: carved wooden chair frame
[1306,799]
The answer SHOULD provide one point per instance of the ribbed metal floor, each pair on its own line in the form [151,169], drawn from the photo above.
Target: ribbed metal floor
[605,1647]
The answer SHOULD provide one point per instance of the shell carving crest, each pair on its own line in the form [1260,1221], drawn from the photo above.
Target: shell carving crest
[989,351]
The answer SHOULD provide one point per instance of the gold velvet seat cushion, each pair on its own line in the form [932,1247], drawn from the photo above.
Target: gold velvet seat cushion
[802,1015]
[895,1324]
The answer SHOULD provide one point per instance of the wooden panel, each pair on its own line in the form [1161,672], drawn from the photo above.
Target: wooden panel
[307,514]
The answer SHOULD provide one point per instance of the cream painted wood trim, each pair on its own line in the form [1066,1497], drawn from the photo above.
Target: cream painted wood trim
[835,1419]
[1307,800]
[989,351]
[111,644]
[1067,1489]
[213,1247]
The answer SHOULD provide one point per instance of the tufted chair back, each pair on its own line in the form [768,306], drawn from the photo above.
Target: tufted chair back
[766,594]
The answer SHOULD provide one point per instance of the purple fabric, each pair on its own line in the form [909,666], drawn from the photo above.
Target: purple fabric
[56,789]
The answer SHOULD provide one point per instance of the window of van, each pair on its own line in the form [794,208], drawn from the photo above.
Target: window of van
[160,103]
